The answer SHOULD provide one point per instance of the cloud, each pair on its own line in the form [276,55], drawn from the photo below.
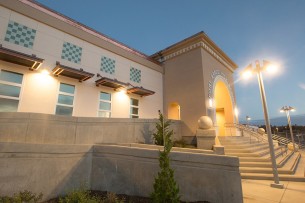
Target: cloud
[302,85]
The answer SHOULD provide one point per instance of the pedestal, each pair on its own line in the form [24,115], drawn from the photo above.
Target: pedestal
[205,138]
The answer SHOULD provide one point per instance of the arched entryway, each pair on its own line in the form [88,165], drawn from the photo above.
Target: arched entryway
[223,107]
[174,111]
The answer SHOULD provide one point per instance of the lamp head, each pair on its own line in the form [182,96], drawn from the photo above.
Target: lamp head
[247,72]
[270,67]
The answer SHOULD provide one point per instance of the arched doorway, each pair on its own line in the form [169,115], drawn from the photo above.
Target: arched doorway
[223,107]
[174,111]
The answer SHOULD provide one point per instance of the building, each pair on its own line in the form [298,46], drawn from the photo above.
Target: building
[52,64]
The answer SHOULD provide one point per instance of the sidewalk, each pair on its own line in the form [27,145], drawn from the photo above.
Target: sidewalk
[259,191]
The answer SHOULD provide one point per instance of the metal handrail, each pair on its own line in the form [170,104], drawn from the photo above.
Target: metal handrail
[260,137]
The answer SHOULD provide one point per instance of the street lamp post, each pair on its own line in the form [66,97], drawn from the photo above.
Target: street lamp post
[248,120]
[287,109]
[258,70]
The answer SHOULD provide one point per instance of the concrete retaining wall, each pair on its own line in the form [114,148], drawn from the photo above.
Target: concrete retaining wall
[52,129]
[56,169]
[50,169]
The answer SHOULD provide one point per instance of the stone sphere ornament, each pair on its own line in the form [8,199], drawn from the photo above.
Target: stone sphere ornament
[205,122]
[261,130]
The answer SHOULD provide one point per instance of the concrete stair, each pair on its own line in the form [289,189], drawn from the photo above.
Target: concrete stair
[255,162]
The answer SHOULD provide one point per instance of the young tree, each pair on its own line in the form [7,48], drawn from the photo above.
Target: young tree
[165,187]
[162,130]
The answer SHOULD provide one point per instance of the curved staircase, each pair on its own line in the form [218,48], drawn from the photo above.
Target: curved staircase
[255,162]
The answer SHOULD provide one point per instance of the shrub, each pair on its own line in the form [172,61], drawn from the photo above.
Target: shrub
[112,198]
[165,187]
[22,197]
[79,196]
[180,143]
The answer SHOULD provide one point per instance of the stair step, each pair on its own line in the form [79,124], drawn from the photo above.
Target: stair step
[264,170]
[253,159]
[255,154]
[243,146]
[249,149]
[282,177]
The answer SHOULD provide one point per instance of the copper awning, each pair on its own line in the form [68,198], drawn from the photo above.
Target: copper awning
[19,58]
[78,74]
[112,83]
[140,91]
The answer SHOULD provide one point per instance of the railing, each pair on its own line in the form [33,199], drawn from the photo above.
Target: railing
[246,131]
[255,135]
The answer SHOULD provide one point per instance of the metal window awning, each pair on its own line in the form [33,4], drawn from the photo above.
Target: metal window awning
[112,83]
[78,74]
[140,91]
[19,58]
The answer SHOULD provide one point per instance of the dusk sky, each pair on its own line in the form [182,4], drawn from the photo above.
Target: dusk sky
[246,31]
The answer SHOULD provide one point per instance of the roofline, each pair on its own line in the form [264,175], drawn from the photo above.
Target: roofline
[199,36]
[58,16]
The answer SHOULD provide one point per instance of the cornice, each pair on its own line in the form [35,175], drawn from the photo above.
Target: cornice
[199,40]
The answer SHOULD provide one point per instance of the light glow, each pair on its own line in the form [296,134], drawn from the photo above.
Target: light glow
[123,91]
[45,72]
[211,102]
[247,73]
[236,111]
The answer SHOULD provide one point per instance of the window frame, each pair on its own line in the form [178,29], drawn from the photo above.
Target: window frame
[65,94]
[15,85]
[133,106]
[106,101]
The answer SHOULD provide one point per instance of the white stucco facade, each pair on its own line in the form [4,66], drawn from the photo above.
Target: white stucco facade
[39,92]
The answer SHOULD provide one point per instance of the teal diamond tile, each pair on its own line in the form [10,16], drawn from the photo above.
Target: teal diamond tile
[20,34]
[135,75]
[71,52]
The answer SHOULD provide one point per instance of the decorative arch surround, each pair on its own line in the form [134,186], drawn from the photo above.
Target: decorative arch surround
[212,111]
[215,77]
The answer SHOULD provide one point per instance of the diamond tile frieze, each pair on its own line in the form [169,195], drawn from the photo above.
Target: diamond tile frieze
[135,75]
[20,34]
[71,52]
[108,65]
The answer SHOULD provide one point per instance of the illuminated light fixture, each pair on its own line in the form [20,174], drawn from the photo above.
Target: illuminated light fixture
[270,67]
[236,111]
[248,120]
[123,91]
[247,73]
[211,102]
[45,72]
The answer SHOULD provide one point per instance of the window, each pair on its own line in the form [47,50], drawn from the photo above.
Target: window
[134,108]
[10,87]
[65,100]
[104,105]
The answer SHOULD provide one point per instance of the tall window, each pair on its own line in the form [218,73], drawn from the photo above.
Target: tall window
[134,108]
[65,100]
[105,105]
[10,86]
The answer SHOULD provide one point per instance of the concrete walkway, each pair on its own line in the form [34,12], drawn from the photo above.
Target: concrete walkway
[260,191]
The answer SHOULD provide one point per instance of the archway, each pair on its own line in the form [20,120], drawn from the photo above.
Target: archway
[174,111]
[223,107]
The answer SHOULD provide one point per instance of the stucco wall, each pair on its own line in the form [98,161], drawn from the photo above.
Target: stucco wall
[39,92]
[183,84]
[56,169]
[52,129]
